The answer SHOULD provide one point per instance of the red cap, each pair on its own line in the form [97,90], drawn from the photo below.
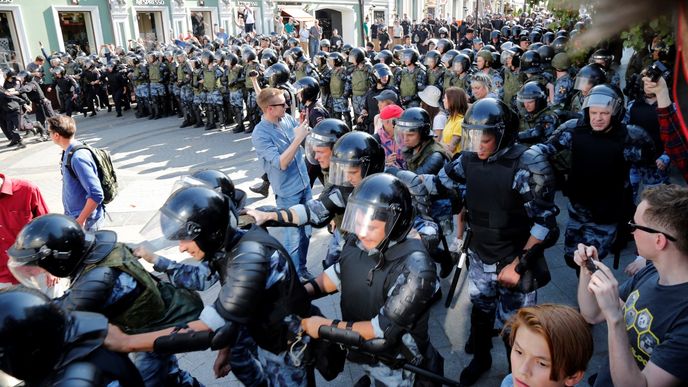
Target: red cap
[391,111]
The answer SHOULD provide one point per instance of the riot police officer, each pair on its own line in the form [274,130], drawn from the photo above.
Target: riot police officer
[44,345]
[537,120]
[340,88]
[105,278]
[235,85]
[212,81]
[386,281]
[434,68]
[411,79]
[510,209]
[361,80]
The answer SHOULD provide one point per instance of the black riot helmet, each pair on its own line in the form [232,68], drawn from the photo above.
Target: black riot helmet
[385,56]
[531,63]
[489,116]
[469,53]
[355,150]
[309,89]
[535,37]
[495,34]
[546,54]
[320,58]
[248,54]
[336,59]
[444,45]
[193,213]
[32,334]
[380,70]
[293,42]
[548,37]
[357,56]
[443,33]
[559,44]
[605,96]
[231,59]
[277,74]
[589,76]
[461,63]
[506,32]
[532,91]
[602,57]
[53,242]
[217,180]
[432,59]
[207,57]
[409,55]
[396,51]
[413,119]
[380,197]
[268,58]
[297,54]
[324,134]
[346,49]
[448,58]
[325,43]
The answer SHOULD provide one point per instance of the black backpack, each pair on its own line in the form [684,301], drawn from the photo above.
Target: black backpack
[106,171]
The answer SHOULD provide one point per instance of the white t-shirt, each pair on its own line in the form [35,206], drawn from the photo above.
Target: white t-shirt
[248,16]
[304,34]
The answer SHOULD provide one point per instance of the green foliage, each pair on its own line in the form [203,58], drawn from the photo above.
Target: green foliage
[640,36]
[564,13]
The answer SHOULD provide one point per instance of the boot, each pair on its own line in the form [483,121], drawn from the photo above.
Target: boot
[188,118]
[199,118]
[229,117]
[239,119]
[153,107]
[261,188]
[220,114]
[481,330]
[180,108]
[210,125]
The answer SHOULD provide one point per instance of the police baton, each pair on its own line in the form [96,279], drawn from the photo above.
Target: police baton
[459,266]
[395,363]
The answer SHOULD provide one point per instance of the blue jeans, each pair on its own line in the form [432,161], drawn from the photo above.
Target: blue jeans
[161,369]
[296,238]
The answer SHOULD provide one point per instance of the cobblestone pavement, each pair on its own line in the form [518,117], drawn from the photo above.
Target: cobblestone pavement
[150,155]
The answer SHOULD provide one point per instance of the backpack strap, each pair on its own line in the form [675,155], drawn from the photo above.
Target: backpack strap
[68,163]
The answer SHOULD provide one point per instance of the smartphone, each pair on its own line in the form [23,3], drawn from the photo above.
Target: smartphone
[590,265]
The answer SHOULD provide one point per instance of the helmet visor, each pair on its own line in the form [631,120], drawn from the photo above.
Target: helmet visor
[345,173]
[314,141]
[602,101]
[33,276]
[582,83]
[481,140]
[164,229]
[367,221]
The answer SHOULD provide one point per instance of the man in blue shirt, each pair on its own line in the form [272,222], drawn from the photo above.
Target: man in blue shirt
[277,139]
[82,194]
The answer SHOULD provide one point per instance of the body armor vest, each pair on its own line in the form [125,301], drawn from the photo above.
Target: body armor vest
[337,82]
[359,82]
[154,73]
[434,75]
[495,210]
[408,86]
[209,79]
[599,172]
[233,75]
[247,69]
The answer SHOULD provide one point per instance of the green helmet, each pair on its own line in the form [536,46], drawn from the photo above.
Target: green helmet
[561,61]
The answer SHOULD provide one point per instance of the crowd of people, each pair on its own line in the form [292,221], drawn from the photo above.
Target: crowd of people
[440,151]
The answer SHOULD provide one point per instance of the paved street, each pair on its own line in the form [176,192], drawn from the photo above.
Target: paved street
[150,155]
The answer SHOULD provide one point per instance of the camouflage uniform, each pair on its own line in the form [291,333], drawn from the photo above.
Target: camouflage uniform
[252,110]
[244,359]
[486,293]
[534,128]
[304,69]
[497,83]
[212,84]
[436,76]
[563,93]
[361,79]
[140,78]
[513,81]
[410,83]
[638,148]
[324,81]
[235,95]
[182,86]
[340,89]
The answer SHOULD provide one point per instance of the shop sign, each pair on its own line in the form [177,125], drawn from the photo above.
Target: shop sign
[148,2]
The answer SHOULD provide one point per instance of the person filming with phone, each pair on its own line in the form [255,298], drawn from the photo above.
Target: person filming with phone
[648,313]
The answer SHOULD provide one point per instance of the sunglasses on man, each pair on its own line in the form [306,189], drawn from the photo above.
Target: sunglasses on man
[632,227]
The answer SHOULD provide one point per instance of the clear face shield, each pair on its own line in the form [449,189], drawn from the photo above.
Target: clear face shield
[483,141]
[24,267]
[526,105]
[406,137]
[314,144]
[582,84]
[345,173]
[430,62]
[603,102]
[164,231]
[370,223]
